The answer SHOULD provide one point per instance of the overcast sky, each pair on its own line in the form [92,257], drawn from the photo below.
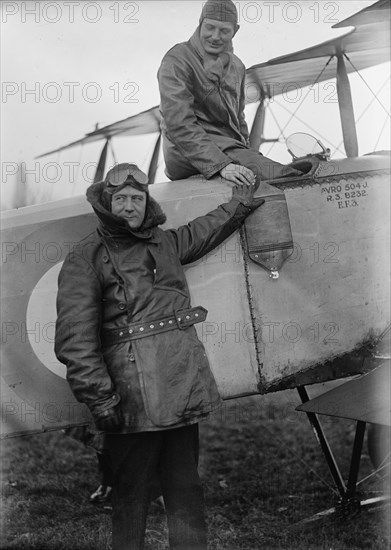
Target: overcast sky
[67,66]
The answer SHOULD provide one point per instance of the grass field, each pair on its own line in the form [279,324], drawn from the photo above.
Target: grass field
[263,473]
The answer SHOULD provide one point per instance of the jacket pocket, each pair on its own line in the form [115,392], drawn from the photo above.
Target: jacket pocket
[176,382]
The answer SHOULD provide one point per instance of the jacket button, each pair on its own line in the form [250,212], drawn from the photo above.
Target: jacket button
[122,305]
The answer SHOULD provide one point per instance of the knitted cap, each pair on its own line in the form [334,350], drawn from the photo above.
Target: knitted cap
[220,10]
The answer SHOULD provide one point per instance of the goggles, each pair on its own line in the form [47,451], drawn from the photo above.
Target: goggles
[120,173]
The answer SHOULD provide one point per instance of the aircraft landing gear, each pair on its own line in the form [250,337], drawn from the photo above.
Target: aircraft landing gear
[379,438]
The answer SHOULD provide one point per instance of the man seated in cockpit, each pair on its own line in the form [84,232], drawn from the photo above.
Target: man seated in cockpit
[202,94]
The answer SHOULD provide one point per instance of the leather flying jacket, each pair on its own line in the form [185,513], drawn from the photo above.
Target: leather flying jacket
[202,107]
[117,276]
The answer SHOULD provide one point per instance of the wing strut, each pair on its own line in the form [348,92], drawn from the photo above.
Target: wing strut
[154,160]
[346,109]
[256,134]
[100,169]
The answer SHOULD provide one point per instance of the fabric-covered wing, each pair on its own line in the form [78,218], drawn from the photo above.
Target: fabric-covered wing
[366,45]
[147,122]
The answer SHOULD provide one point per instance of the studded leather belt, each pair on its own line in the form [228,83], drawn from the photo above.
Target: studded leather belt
[180,319]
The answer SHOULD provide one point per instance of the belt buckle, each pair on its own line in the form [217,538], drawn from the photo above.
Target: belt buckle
[181,317]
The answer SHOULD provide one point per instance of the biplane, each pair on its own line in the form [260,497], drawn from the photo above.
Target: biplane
[299,296]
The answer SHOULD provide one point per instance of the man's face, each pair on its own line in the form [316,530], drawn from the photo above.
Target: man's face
[216,35]
[130,204]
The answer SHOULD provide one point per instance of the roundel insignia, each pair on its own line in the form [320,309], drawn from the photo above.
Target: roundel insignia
[40,320]
[35,393]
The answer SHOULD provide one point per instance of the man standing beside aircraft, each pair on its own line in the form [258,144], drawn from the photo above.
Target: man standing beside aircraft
[125,332]
[202,105]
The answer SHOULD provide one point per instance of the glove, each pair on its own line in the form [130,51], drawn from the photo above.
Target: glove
[110,420]
[245,195]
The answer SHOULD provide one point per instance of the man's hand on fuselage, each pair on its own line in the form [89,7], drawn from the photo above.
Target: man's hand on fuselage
[238,174]
[245,195]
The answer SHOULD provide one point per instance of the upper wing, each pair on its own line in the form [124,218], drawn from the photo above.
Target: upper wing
[366,45]
[147,122]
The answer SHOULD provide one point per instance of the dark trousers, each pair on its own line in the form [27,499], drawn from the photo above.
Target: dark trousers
[135,459]
[178,167]
[105,469]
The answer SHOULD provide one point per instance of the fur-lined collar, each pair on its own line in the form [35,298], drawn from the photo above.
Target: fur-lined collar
[114,225]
